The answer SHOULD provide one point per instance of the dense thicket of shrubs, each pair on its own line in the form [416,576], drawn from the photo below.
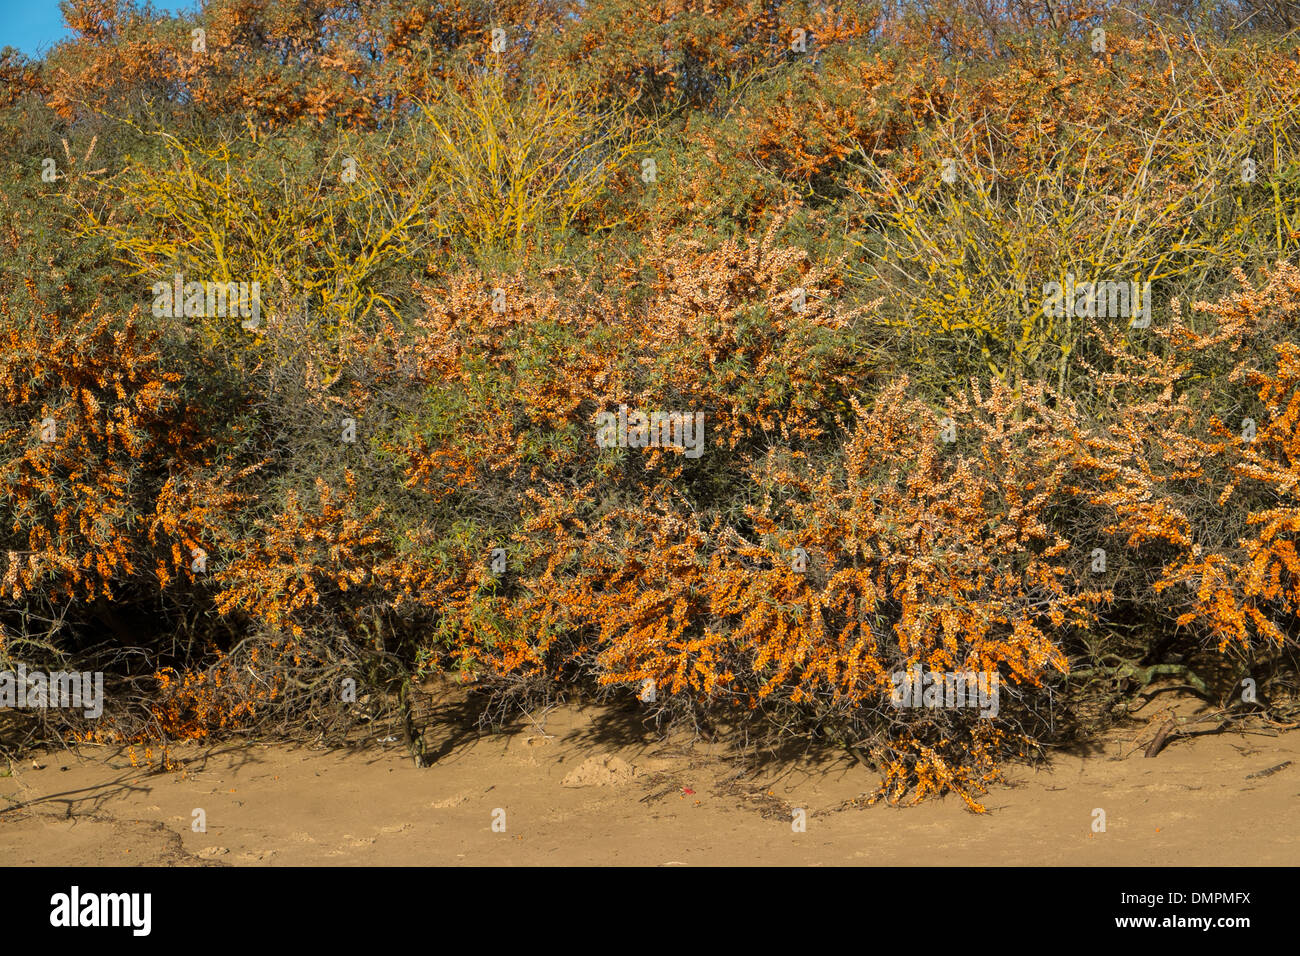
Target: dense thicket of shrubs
[827,227]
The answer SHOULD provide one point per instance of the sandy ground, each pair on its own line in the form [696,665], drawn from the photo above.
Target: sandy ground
[588,786]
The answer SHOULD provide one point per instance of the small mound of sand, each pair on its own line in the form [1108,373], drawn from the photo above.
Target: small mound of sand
[454,801]
[600,771]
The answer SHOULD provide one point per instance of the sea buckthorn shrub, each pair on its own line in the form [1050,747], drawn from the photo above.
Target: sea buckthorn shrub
[976,554]
[514,392]
[688,52]
[105,469]
[961,187]
[756,335]
[474,410]
[905,462]
[114,495]
[914,554]
[275,61]
[1195,470]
